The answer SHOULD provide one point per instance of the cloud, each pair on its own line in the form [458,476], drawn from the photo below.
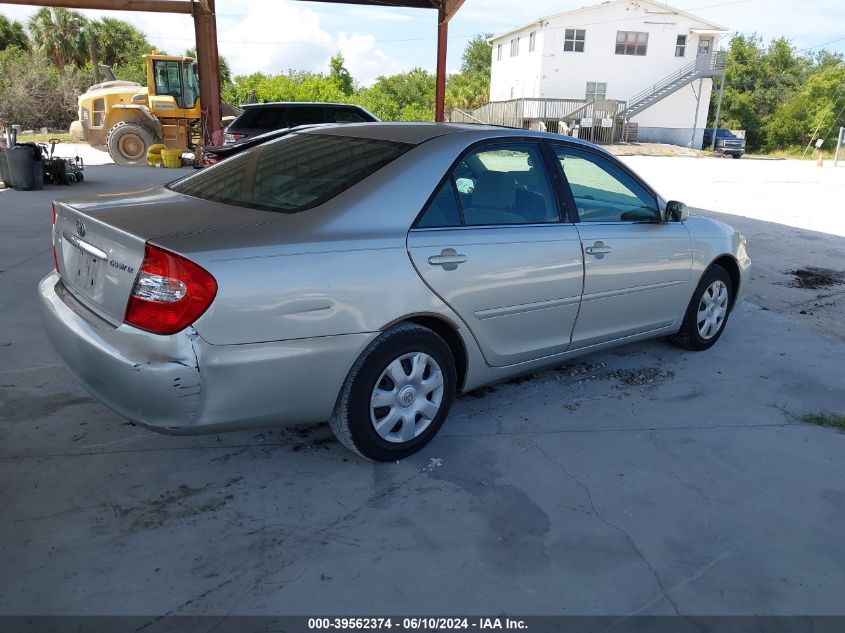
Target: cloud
[364,61]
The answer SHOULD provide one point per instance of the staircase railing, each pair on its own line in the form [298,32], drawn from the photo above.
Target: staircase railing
[708,65]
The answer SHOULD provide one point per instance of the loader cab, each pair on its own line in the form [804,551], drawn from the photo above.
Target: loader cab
[173,86]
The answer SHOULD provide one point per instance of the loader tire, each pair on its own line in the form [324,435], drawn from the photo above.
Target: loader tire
[128,143]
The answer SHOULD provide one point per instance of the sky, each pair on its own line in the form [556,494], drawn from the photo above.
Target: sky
[276,35]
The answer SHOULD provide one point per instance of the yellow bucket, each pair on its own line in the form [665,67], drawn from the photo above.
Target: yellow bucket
[154,154]
[171,157]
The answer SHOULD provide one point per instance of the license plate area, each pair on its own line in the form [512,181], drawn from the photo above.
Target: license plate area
[84,267]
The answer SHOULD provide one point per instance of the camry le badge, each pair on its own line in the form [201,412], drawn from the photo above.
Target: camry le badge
[80,227]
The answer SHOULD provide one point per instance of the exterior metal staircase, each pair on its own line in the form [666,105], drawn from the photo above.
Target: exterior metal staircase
[708,65]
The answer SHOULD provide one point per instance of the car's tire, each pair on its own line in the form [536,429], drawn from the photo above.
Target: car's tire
[128,143]
[415,405]
[708,311]
[736,155]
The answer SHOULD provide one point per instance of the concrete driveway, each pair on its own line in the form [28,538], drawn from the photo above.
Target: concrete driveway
[645,480]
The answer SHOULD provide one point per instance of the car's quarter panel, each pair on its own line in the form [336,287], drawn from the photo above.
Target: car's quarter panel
[517,291]
[641,284]
[339,268]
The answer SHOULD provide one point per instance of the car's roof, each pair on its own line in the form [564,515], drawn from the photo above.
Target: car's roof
[416,133]
[282,104]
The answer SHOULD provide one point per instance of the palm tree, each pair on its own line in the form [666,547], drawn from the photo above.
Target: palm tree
[12,34]
[60,34]
[120,43]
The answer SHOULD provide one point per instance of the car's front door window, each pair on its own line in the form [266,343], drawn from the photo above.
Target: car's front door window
[603,192]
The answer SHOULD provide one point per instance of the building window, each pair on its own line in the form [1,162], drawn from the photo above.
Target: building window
[515,47]
[498,52]
[532,41]
[596,91]
[573,40]
[681,46]
[631,43]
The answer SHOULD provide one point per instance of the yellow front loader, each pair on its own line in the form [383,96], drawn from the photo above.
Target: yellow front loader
[127,117]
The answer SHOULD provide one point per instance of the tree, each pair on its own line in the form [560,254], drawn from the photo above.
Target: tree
[60,34]
[225,71]
[404,97]
[340,75]
[12,33]
[119,43]
[477,57]
[471,87]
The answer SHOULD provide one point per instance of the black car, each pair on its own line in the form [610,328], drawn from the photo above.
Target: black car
[214,154]
[726,142]
[258,118]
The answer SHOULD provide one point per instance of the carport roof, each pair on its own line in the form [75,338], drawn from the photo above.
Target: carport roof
[447,7]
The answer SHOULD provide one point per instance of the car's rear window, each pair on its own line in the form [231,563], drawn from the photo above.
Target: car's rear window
[293,173]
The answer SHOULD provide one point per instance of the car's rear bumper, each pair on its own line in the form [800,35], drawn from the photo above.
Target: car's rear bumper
[182,384]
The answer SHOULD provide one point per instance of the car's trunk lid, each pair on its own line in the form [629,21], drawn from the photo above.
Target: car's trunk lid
[100,242]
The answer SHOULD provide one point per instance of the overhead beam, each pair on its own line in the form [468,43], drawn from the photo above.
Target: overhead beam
[156,6]
[450,8]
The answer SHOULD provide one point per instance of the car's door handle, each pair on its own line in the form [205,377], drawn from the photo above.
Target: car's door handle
[449,258]
[599,249]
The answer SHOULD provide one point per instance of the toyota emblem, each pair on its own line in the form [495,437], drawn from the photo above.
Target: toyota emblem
[80,227]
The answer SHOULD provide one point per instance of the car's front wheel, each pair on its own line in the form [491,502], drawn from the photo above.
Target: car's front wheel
[708,311]
[397,394]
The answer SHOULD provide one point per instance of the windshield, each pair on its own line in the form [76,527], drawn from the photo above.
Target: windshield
[293,173]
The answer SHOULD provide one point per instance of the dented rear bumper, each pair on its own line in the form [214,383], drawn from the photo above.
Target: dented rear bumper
[182,384]
[152,380]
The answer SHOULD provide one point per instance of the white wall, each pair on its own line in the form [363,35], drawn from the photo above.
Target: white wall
[516,77]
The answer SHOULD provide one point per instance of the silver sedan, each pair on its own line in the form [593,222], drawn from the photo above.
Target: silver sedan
[365,274]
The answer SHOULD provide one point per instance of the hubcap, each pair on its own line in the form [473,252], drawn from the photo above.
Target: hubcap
[131,146]
[712,310]
[407,397]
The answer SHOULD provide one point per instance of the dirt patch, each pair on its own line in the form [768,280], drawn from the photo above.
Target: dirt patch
[174,504]
[814,278]
[308,437]
[640,376]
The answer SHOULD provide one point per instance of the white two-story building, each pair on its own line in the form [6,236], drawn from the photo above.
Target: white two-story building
[659,59]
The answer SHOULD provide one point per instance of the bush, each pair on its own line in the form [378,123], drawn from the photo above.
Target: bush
[35,94]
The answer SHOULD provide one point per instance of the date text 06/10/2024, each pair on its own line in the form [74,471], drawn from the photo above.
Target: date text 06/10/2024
[417,624]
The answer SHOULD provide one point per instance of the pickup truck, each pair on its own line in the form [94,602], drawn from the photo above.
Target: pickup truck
[727,142]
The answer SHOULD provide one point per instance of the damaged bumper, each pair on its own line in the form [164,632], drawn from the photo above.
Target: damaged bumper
[183,384]
[151,380]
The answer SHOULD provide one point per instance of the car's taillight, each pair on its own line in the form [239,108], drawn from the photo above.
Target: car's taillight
[55,259]
[170,292]
[210,159]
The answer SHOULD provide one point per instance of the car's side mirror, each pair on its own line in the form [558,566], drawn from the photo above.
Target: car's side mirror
[676,211]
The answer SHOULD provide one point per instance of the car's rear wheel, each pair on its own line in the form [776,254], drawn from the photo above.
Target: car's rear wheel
[708,311]
[397,394]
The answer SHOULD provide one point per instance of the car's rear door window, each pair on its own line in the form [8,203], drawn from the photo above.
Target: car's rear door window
[501,183]
[293,173]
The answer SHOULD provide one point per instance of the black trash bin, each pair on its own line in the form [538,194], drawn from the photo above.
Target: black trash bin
[4,168]
[25,169]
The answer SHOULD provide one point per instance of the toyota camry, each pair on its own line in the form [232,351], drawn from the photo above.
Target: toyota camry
[365,274]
